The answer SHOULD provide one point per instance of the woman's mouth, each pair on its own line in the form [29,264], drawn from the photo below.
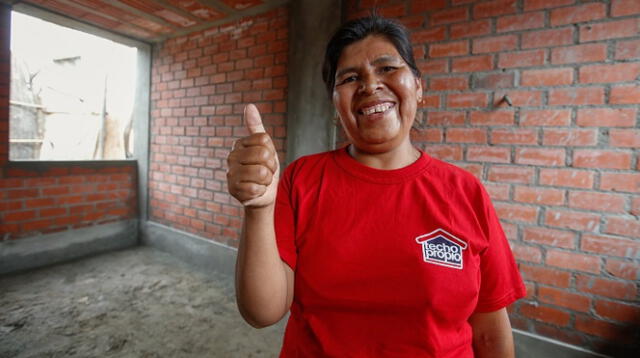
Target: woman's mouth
[378,108]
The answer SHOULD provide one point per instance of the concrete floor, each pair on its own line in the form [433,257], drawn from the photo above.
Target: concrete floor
[133,303]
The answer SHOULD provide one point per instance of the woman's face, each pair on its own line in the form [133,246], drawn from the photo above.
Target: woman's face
[376,95]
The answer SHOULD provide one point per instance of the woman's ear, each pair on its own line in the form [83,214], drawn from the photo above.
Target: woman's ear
[418,89]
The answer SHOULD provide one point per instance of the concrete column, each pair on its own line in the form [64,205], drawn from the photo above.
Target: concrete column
[310,127]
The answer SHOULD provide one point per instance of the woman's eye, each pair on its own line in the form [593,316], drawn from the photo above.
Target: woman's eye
[348,79]
[388,68]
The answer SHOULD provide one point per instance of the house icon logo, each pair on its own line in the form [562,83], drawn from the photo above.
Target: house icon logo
[442,248]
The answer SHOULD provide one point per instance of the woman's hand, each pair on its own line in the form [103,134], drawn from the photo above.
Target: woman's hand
[253,165]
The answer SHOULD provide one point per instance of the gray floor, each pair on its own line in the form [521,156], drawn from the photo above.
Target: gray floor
[133,303]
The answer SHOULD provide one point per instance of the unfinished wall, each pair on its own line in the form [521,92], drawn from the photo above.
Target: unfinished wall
[561,163]
[200,85]
[44,197]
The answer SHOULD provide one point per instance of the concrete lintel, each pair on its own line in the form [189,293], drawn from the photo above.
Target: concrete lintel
[205,255]
[42,250]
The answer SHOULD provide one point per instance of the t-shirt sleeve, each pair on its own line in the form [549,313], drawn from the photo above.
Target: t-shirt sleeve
[285,221]
[501,283]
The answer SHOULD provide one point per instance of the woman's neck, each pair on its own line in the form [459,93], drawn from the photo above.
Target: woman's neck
[399,157]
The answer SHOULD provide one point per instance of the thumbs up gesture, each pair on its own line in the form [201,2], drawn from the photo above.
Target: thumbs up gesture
[253,164]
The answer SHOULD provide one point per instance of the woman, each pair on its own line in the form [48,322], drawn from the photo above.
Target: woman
[377,249]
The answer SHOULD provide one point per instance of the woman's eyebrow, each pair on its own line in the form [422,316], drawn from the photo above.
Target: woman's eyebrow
[341,72]
[385,59]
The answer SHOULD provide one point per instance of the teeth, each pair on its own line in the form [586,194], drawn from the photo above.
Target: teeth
[378,108]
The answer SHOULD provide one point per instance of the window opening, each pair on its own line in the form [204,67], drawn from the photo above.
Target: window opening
[72,93]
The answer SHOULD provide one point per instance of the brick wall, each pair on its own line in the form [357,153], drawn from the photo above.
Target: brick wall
[561,162]
[200,85]
[40,198]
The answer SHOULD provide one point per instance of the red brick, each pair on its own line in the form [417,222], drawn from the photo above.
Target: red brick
[580,53]
[497,191]
[518,98]
[450,15]
[610,246]
[629,182]
[624,138]
[548,38]
[466,135]
[429,35]
[461,100]
[564,299]
[445,118]
[576,14]
[540,156]
[470,29]
[607,202]
[472,64]
[572,220]
[39,203]
[635,206]
[625,290]
[627,50]
[576,96]
[393,11]
[627,270]
[444,152]
[625,7]
[606,117]
[545,314]
[514,136]
[493,80]
[521,59]
[609,30]
[488,154]
[450,49]
[591,158]
[530,20]
[492,118]
[22,193]
[550,237]
[620,72]
[623,226]
[527,253]
[494,8]
[547,77]
[37,225]
[599,328]
[448,83]
[536,195]
[573,261]
[45,213]
[560,117]
[570,137]
[19,215]
[422,6]
[545,4]
[495,44]
[618,311]
[516,212]
[511,174]
[433,67]
[433,135]
[545,275]
[625,95]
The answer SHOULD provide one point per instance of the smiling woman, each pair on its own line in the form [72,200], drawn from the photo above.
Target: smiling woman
[377,249]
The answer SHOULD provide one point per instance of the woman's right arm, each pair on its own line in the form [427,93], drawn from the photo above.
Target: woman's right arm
[264,283]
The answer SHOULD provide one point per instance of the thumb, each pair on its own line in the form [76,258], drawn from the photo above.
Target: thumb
[252,119]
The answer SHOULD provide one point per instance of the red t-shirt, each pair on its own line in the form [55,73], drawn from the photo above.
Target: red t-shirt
[389,263]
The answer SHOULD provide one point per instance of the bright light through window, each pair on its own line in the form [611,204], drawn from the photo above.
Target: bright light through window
[72,93]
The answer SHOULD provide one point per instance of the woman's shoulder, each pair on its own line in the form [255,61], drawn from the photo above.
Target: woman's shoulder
[308,164]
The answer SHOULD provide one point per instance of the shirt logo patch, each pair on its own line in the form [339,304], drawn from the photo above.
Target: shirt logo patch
[441,248]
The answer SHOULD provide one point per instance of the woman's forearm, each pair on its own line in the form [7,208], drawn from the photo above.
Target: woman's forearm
[263,281]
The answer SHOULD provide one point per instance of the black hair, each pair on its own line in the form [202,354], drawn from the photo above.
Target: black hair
[358,29]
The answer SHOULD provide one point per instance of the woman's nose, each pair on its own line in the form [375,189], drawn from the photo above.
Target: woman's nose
[370,84]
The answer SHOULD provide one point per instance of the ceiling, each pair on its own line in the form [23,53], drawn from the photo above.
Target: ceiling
[152,20]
